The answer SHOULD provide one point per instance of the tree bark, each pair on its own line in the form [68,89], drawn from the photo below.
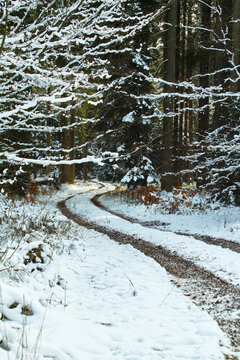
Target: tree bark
[190,65]
[71,168]
[48,167]
[176,135]
[169,102]
[63,177]
[203,120]
[236,44]
[85,165]
[222,23]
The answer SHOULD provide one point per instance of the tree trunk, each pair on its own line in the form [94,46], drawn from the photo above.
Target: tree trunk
[222,24]
[64,145]
[236,44]
[48,167]
[169,102]
[71,168]
[190,64]
[190,163]
[203,120]
[85,169]
[182,78]
[176,137]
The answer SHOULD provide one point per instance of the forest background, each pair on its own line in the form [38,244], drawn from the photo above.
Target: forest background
[135,91]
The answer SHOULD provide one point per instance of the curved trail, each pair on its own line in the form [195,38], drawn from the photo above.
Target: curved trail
[226,244]
[213,294]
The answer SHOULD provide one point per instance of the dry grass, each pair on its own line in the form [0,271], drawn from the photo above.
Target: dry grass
[180,200]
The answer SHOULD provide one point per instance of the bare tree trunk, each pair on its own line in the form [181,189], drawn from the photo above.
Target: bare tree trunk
[182,78]
[203,121]
[71,168]
[236,43]
[187,118]
[48,167]
[64,144]
[222,25]
[190,63]
[176,136]
[85,168]
[190,163]
[169,102]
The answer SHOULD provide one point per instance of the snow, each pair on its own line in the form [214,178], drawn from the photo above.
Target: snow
[223,262]
[129,117]
[94,299]
[221,222]
[140,62]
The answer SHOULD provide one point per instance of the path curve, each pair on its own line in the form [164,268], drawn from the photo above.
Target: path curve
[213,294]
[227,244]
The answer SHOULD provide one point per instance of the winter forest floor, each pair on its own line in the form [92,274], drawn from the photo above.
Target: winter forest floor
[96,277]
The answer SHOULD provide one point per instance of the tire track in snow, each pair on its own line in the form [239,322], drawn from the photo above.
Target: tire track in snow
[219,298]
[226,244]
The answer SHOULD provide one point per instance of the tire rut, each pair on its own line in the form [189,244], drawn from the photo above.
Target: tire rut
[226,244]
[219,298]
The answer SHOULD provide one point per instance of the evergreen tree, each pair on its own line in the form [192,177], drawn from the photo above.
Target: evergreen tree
[127,109]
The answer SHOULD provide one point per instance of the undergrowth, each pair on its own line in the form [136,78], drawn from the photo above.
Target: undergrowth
[179,201]
[32,232]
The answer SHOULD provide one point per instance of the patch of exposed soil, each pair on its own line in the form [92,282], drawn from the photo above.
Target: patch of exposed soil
[219,298]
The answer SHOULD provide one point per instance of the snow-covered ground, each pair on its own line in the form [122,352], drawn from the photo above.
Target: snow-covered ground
[87,297]
[222,262]
[215,221]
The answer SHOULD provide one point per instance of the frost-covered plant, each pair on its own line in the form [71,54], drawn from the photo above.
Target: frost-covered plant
[16,308]
[183,202]
[141,174]
[218,169]
[29,235]
[177,202]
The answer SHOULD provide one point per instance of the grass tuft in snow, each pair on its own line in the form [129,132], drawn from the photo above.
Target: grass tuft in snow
[30,234]
[179,201]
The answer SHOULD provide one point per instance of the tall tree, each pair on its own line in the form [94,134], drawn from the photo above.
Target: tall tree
[43,65]
[170,39]
[204,59]
[222,28]
[236,46]
[127,108]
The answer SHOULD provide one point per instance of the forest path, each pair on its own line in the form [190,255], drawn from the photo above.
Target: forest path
[226,244]
[215,295]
